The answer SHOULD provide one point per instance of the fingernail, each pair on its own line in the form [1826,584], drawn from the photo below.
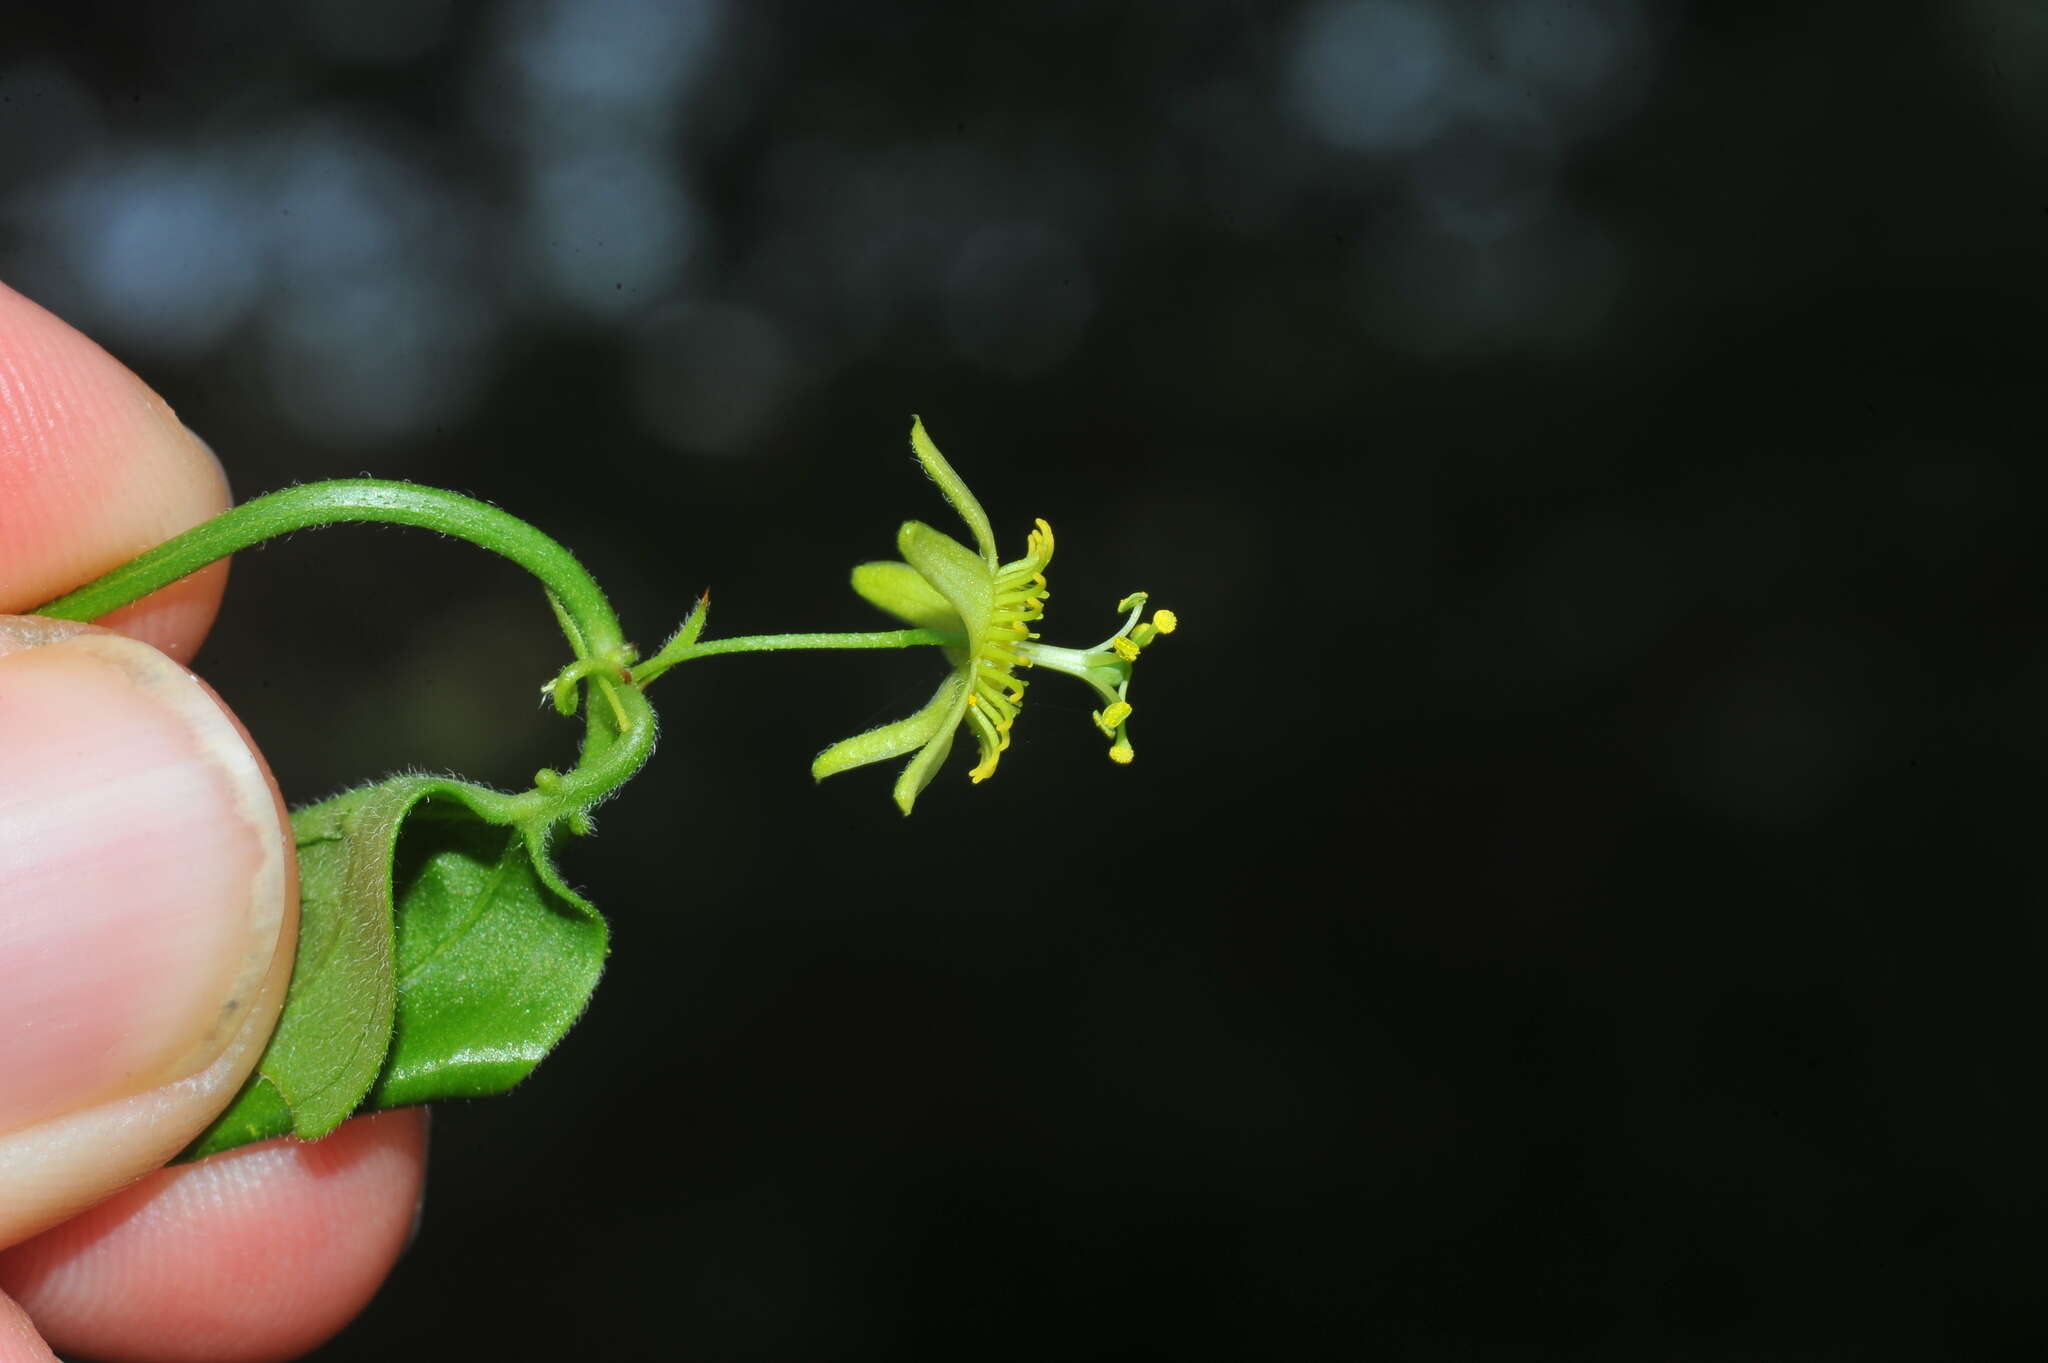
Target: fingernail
[203,443]
[419,1202]
[142,867]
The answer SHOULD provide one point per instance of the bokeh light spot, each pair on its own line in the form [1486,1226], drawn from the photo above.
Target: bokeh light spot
[1366,75]
[162,248]
[611,229]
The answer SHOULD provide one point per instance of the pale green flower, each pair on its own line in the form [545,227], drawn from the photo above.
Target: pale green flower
[943,585]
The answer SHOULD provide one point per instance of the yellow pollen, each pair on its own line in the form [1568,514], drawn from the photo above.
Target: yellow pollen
[1121,754]
[1125,649]
[1116,714]
[1165,621]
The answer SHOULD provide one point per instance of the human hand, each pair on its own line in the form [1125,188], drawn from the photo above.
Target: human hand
[148,910]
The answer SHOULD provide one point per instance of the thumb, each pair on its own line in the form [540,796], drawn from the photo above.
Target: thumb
[148,907]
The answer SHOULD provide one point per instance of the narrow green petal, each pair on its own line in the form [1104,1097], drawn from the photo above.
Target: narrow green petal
[897,589]
[956,491]
[966,583]
[892,740]
[922,768]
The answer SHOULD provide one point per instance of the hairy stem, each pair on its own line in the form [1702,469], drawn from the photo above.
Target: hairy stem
[682,651]
[586,616]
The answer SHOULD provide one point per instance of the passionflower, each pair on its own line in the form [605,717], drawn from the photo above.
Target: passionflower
[990,606]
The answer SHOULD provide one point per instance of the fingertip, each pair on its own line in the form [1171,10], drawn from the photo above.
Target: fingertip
[95,467]
[260,1253]
[148,911]
[19,1342]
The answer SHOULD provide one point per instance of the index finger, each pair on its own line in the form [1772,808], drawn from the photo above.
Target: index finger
[94,469]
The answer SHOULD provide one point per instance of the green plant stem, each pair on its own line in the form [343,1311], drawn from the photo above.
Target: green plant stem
[777,643]
[611,752]
[886,638]
[680,652]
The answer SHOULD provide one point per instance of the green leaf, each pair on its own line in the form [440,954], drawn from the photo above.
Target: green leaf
[440,956]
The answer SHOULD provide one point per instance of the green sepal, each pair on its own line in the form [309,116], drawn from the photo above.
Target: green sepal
[890,740]
[955,490]
[952,570]
[440,956]
[897,589]
[951,702]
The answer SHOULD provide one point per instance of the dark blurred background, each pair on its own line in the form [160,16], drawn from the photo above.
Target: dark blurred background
[1576,896]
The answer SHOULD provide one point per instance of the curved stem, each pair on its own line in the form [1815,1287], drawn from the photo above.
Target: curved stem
[351,499]
[587,617]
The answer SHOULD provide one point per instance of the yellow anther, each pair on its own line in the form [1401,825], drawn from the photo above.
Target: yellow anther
[1165,621]
[1125,649]
[1115,714]
[1121,754]
[973,699]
